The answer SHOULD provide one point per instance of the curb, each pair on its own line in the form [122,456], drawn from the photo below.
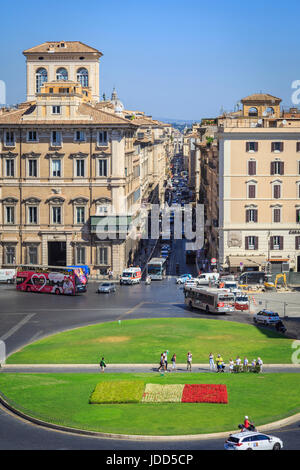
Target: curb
[196,437]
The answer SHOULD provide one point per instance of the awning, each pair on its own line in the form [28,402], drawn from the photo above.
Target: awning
[278,260]
[249,261]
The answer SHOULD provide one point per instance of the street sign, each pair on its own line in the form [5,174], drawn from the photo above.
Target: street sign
[213,261]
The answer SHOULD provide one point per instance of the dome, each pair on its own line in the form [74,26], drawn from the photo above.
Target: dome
[118,105]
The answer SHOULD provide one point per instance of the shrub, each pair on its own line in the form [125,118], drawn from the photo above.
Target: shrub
[121,391]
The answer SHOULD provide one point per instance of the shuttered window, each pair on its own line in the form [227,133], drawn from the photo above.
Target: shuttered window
[252,167]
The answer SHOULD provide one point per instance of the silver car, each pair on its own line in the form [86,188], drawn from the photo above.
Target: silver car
[249,440]
[106,288]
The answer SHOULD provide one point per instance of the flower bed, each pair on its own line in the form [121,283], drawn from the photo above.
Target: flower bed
[121,391]
[155,393]
[204,394]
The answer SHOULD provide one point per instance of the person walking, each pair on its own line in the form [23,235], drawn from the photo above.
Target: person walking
[260,363]
[231,366]
[162,362]
[211,362]
[173,360]
[102,364]
[166,360]
[246,364]
[189,361]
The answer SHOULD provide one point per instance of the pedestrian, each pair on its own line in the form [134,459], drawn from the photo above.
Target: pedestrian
[211,362]
[246,363]
[166,360]
[102,364]
[162,362]
[220,363]
[173,360]
[189,361]
[260,363]
[231,365]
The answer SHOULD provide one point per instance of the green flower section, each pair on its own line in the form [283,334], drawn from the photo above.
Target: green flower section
[155,393]
[123,391]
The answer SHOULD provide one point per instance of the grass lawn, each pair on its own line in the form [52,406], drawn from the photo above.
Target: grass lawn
[142,341]
[64,399]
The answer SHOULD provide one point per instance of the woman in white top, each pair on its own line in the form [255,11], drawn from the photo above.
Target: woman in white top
[231,365]
[211,362]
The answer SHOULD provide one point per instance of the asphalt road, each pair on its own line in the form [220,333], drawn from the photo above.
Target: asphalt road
[26,317]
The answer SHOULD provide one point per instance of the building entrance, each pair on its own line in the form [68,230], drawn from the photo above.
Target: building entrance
[57,254]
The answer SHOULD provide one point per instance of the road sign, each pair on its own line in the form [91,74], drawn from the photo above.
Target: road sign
[213,261]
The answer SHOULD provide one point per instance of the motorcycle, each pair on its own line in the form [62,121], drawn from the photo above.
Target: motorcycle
[251,427]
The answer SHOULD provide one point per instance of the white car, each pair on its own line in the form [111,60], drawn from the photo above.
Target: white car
[266,317]
[190,283]
[249,440]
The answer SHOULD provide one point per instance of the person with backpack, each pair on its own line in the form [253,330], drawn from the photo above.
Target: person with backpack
[102,364]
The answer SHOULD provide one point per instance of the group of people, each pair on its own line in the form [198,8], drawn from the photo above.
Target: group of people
[163,363]
[237,363]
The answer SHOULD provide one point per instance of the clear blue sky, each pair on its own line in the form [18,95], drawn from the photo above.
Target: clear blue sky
[170,58]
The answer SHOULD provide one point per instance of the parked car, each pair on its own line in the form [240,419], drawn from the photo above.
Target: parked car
[106,288]
[266,317]
[249,440]
[183,278]
[8,275]
[205,278]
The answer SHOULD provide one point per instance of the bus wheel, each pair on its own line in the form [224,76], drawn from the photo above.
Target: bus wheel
[28,289]
[57,291]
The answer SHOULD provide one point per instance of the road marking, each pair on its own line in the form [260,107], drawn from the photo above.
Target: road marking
[15,328]
[128,312]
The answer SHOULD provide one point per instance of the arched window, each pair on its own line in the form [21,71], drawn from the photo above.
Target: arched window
[41,76]
[269,111]
[253,112]
[83,77]
[61,74]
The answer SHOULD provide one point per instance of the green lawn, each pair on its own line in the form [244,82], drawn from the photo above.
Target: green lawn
[64,399]
[142,341]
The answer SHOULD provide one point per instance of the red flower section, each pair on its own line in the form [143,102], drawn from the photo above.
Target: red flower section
[204,394]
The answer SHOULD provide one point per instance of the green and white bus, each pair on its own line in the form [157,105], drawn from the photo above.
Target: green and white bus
[156,269]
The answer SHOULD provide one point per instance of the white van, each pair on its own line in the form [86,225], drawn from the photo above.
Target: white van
[8,275]
[131,276]
[206,278]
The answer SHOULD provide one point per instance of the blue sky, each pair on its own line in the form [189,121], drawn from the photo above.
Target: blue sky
[172,59]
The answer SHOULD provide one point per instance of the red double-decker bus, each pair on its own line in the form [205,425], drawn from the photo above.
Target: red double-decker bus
[50,280]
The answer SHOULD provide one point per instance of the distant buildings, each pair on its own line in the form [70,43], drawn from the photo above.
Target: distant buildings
[75,170]
[250,177]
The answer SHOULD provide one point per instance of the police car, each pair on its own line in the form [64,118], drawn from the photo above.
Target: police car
[249,440]
[266,317]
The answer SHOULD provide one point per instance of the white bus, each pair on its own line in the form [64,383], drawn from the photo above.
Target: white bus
[210,299]
[156,269]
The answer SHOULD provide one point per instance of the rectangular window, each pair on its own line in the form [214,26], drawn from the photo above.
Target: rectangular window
[251,191]
[9,139]
[276,215]
[9,215]
[252,168]
[32,136]
[56,109]
[56,138]
[56,215]
[56,168]
[297,243]
[102,167]
[10,255]
[298,216]
[251,146]
[251,215]
[32,168]
[102,138]
[251,243]
[276,191]
[10,168]
[277,168]
[80,255]
[80,168]
[33,215]
[80,136]
[277,147]
[80,215]
[103,256]
[32,255]
[276,243]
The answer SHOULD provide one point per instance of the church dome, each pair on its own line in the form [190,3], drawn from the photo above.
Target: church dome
[118,105]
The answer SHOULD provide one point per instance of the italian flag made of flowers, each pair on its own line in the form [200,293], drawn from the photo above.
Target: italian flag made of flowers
[138,392]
